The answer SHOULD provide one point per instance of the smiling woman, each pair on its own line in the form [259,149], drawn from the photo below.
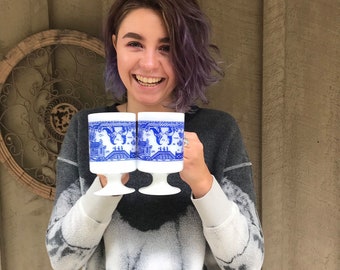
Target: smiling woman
[144,66]
[183,36]
[159,58]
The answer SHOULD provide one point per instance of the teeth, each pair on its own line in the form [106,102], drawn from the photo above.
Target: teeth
[148,80]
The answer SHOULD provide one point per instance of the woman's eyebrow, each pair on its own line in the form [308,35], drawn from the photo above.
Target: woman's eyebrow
[139,37]
[133,35]
[164,40]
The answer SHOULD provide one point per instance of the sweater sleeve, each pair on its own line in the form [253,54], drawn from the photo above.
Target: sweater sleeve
[75,231]
[235,238]
[230,222]
[79,218]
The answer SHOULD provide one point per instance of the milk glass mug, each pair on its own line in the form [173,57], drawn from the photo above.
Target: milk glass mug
[160,149]
[112,149]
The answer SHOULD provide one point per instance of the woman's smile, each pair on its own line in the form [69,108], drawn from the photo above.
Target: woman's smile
[148,81]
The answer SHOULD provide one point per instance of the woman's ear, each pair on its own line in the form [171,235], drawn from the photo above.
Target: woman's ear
[114,41]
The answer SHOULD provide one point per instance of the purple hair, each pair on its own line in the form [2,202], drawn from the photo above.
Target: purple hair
[190,49]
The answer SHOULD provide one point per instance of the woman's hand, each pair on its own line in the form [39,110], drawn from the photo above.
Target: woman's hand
[195,171]
[103,179]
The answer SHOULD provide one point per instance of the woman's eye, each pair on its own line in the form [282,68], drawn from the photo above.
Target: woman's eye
[134,44]
[165,48]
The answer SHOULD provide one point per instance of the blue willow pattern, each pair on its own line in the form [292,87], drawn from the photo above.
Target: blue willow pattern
[160,140]
[112,140]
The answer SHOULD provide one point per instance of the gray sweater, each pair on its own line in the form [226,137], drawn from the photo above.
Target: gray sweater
[137,231]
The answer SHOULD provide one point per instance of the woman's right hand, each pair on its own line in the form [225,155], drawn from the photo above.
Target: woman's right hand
[103,179]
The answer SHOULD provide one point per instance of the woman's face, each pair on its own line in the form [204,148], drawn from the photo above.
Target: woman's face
[144,65]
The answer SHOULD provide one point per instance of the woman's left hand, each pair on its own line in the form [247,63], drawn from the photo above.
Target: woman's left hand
[195,171]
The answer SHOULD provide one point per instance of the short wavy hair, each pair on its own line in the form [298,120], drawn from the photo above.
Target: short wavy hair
[191,51]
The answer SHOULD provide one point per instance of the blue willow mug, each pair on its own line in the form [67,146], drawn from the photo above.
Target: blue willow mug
[112,148]
[160,148]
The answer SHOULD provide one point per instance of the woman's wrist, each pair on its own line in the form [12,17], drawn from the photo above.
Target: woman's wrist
[201,188]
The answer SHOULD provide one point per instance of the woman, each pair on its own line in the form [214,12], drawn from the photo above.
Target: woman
[159,59]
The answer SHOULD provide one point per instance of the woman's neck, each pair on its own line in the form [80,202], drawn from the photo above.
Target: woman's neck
[128,107]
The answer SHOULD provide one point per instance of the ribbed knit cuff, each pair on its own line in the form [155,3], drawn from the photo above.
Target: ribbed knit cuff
[99,208]
[214,208]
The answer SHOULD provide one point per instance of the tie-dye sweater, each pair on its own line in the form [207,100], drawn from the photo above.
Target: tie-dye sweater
[218,231]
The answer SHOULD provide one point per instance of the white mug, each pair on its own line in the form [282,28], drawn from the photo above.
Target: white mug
[160,142]
[112,142]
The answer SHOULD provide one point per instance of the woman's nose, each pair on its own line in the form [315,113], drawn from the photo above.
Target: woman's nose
[149,60]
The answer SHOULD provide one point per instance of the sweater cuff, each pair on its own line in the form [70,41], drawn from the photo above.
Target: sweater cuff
[99,208]
[214,207]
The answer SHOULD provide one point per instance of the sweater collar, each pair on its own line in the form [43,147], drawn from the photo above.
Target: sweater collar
[188,115]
